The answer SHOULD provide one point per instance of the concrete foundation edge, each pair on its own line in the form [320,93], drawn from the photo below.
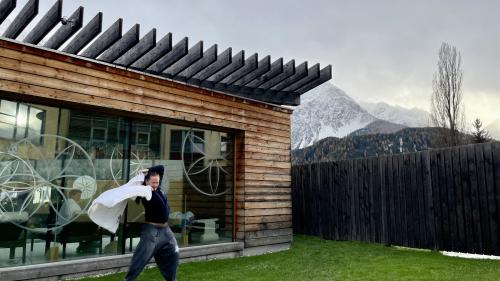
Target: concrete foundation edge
[111,264]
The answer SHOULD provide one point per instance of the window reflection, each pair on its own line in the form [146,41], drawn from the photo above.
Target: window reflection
[55,161]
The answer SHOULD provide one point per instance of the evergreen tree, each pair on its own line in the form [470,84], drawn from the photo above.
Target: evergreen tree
[479,135]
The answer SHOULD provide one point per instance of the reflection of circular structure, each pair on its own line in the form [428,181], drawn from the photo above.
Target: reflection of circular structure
[86,185]
[137,164]
[34,175]
[213,170]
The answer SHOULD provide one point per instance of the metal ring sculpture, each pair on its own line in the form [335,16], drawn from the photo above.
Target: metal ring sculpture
[213,165]
[137,164]
[29,171]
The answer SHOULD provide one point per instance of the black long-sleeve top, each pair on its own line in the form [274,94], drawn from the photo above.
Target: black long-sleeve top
[157,209]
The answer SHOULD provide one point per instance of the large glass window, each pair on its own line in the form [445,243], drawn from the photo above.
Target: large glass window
[55,161]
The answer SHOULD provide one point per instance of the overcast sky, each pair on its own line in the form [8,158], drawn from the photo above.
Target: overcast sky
[380,50]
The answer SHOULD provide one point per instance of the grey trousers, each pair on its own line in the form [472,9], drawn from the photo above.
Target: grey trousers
[157,242]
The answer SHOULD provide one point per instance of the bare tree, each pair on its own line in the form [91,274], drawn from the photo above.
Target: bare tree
[447,111]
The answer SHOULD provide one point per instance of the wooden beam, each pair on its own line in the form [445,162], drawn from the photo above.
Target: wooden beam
[288,70]
[263,66]
[269,96]
[6,7]
[282,98]
[25,16]
[89,32]
[300,72]
[324,75]
[276,68]
[162,47]
[194,54]
[178,51]
[249,65]
[45,25]
[312,73]
[209,56]
[236,63]
[108,38]
[75,22]
[128,40]
[145,45]
[222,61]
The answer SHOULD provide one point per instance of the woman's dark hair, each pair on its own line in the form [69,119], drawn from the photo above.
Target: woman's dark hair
[149,175]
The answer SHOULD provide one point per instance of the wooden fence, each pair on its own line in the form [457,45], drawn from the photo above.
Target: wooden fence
[444,199]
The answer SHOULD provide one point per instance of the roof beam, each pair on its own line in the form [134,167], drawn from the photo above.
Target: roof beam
[300,72]
[288,70]
[275,97]
[25,16]
[324,75]
[283,98]
[263,66]
[127,41]
[209,56]
[162,47]
[249,65]
[236,62]
[312,73]
[45,25]
[108,38]
[194,54]
[178,51]
[75,22]
[145,45]
[223,60]
[6,7]
[276,68]
[89,32]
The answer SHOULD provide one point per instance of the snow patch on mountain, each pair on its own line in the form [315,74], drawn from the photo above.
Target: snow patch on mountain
[413,117]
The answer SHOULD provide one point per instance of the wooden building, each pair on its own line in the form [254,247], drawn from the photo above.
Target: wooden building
[112,103]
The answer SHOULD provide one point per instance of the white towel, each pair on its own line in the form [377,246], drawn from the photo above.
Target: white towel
[107,208]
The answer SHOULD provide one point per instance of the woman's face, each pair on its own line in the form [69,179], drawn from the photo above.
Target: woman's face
[154,182]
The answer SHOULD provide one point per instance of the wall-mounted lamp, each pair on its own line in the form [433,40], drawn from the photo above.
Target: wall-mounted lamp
[65,21]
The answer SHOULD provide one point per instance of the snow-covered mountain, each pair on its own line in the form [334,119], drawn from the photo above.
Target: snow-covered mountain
[326,111]
[396,114]
[494,129]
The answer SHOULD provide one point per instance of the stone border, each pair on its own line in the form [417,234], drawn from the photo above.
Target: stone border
[73,269]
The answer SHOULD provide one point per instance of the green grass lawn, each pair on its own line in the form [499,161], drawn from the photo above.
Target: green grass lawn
[314,259]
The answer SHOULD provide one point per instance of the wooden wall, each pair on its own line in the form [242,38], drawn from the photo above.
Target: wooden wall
[263,181]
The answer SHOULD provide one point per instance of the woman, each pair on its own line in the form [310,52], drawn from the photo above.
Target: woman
[157,240]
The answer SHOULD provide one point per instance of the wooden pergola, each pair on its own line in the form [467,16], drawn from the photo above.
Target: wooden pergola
[236,74]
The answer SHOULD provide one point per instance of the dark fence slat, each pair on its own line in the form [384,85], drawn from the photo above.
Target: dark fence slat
[476,217]
[460,219]
[420,219]
[429,203]
[384,208]
[492,206]
[397,199]
[483,200]
[496,170]
[376,202]
[451,206]
[413,200]
[392,208]
[353,195]
[404,187]
[464,173]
